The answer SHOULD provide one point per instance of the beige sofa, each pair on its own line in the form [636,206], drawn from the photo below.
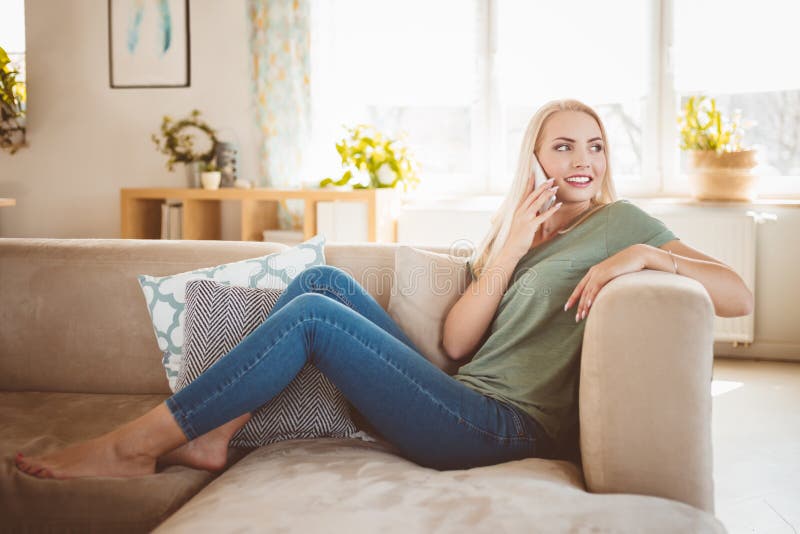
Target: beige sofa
[78,357]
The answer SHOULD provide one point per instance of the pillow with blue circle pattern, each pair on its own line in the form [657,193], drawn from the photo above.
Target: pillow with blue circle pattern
[166,295]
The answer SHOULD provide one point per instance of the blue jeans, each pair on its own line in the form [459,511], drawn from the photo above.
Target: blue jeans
[325,317]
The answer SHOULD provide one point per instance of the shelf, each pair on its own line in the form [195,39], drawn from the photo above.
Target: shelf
[141,211]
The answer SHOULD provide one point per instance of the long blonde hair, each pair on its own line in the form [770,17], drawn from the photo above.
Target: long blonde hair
[501,221]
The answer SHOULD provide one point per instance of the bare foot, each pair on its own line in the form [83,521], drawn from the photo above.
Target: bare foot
[129,450]
[99,456]
[209,451]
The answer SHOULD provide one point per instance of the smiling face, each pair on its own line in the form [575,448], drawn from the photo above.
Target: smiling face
[572,151]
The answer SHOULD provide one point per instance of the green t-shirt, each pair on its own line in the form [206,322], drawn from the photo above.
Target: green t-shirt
[530,357]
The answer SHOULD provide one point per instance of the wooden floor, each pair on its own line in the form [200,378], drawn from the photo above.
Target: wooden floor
[756,441]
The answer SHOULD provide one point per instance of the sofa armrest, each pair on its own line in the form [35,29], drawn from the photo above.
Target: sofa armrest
[645,389]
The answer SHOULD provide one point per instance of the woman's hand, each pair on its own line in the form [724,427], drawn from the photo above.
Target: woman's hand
[527,218]
[628,260]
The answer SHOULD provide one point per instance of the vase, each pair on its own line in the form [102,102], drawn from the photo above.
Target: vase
[226,155]
[725,176]
[192,169]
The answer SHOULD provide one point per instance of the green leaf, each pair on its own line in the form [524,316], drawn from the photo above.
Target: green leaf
[344,179]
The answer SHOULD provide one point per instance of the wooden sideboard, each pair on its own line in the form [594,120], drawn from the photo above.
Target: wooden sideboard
[141,210]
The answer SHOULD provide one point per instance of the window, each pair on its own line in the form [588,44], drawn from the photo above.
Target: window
[407,67]
[463,78]
[754,47]
[544,51]
[12,35]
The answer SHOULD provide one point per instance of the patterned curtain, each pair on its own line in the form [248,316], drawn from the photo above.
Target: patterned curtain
[279,45]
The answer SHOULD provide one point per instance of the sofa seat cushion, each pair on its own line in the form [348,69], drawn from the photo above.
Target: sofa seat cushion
[35,423]
[338,485]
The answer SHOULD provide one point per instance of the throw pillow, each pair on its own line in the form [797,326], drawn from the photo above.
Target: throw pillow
[427,285]
[218,317]
[166,295]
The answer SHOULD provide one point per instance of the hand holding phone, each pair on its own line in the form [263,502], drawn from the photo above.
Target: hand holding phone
[530,213]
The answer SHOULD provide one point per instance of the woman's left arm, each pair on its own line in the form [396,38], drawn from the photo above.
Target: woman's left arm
[728,292]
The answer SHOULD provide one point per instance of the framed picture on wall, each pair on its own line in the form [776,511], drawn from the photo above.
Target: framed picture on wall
[148,43]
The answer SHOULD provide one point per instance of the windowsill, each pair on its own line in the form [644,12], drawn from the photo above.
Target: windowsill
[490,203]
[691,201]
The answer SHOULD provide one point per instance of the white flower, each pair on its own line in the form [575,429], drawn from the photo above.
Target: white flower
[386,175]
[360,176]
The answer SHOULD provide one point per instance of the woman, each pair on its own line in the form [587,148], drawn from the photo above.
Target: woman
[517,398]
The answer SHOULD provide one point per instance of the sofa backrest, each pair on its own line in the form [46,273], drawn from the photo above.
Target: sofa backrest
[73,317]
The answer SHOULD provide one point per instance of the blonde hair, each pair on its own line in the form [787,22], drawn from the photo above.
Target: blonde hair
[493,243]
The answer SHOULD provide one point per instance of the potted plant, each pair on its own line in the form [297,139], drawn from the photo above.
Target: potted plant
[179,141]
[374,160]
[720,168]
[210,175]
[12,106]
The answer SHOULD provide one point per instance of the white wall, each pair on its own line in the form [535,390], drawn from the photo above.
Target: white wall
[87,140]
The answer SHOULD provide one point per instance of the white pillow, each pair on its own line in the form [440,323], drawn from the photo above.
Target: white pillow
[427,285]
[166,295]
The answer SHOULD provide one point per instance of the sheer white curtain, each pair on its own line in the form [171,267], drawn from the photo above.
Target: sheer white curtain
[279,43]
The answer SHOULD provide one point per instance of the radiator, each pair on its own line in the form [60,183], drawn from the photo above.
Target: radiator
[727,234]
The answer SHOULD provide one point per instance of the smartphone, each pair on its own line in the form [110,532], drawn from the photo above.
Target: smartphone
[539,178]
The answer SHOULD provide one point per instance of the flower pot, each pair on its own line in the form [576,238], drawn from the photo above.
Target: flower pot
[211,180]
[726,176]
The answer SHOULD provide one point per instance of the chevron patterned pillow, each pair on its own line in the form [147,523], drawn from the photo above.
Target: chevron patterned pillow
[218,317]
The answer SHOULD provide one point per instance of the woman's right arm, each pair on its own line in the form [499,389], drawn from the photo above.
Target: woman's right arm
[469,318]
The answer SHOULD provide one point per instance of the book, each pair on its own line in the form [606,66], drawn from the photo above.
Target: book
[176,220]
[164,221]
[172,220]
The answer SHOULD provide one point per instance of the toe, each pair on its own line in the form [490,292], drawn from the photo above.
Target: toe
[36,471]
